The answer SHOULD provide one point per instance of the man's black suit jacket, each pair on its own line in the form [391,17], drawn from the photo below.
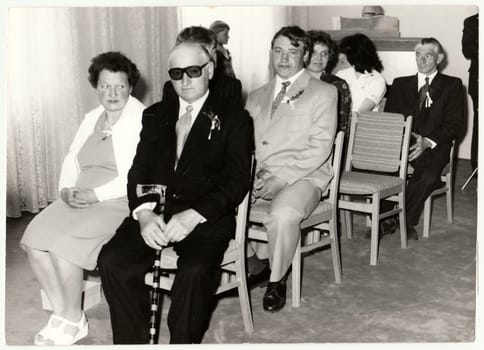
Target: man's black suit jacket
[442,122]
[213,172]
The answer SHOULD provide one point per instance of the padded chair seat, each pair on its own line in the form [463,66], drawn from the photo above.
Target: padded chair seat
[260,210]
[353,182]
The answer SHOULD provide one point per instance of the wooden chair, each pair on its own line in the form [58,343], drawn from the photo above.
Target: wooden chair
[447,177]
[378,148]
[233,266]
[323,218]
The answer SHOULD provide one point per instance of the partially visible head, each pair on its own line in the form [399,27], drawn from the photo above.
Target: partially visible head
[221,30]
[360,52]
[199,35]
[428,55]
[290,48]
[113,76]
[190,70]
[371,11]
[324,54]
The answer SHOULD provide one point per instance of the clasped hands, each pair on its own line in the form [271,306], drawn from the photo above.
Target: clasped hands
[267,188]
[418,147]
[157,234]
[78,197]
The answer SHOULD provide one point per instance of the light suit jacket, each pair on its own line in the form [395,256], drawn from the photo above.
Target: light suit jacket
[296,142]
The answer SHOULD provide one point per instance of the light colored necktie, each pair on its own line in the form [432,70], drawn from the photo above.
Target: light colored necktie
[279,97]
[182,129]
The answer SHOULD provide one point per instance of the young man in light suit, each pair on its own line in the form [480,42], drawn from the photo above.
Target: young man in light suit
[295,122]
[201,150]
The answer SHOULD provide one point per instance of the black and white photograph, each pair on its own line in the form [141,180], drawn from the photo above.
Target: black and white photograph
[240,174]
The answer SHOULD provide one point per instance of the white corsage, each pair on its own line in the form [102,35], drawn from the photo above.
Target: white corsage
[215,123]
[290,100]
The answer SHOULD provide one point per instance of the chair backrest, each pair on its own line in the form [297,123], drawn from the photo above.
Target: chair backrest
[379,141]
[242,215]
[336,164]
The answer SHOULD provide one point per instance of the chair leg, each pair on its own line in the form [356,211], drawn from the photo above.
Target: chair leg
[427,216]
[403,219]
[448,196]
[244,297]
[296,276]
[375,220]
[335,252]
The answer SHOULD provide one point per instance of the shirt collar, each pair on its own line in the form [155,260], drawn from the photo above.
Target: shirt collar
[291,80]
[196,105]
[421,78]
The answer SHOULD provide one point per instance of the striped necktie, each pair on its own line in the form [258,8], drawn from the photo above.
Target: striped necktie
[422,94]
[279,97]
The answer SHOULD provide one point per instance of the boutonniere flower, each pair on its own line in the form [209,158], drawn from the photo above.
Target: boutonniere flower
[215,123]
[290,100]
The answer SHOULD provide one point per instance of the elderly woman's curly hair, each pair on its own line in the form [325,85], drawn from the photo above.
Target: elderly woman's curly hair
[113,62]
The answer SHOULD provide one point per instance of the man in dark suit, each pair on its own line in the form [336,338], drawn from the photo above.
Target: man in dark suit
[436,101]
[201,150]
[470,49]
[224,88]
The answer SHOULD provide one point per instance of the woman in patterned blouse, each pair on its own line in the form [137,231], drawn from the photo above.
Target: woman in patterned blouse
[321,62]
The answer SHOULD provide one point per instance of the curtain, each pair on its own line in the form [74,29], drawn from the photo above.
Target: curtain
[49,52]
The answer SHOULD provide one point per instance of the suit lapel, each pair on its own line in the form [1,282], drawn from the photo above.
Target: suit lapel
[413,95]
[299,84]
[436,87]
[197,137]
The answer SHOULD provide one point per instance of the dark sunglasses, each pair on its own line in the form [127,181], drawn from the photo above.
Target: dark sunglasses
[192,72]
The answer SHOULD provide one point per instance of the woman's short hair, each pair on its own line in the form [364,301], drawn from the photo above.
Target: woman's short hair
[295,35]
[361,53]
[323,38]
[219,26]
[113,62]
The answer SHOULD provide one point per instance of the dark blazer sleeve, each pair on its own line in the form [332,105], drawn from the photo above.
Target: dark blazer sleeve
[235,177]
[143,170]
[393,102]
[451,113]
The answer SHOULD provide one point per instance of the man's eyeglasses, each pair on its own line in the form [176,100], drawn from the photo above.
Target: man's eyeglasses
[192,72]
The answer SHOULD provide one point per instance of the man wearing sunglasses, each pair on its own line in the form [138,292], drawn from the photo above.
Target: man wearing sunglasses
[223,87]
[200,149]
[295,122]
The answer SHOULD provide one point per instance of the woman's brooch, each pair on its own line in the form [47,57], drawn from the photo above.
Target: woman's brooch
[215,123]
[290,100]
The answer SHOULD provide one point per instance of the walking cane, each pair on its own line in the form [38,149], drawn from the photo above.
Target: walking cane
[155,297]
[142,190]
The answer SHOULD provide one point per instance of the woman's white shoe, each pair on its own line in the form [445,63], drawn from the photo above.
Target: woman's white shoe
[45,333]
[60,337]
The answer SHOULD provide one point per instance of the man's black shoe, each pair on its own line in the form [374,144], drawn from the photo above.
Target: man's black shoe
[275,296]
[387,227]
[412,233]
[256,280]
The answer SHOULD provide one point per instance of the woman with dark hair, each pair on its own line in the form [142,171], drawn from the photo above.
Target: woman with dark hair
[322,60]
[360,68]
[66,237]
